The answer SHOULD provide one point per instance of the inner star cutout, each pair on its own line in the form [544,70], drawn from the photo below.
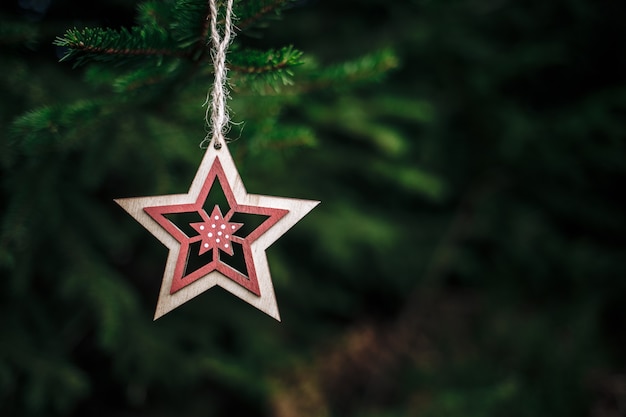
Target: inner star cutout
[226,247]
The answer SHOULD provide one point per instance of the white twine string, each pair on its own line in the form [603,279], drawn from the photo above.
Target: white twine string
[217,111]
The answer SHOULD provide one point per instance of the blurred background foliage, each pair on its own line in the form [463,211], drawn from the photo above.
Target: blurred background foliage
[468,257]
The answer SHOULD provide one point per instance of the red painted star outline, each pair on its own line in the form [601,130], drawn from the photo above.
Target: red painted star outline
[180,280]
[283,214]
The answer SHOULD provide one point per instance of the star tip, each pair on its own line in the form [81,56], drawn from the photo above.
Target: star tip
[157,315]
[120,202]
[272,311]
[276,316]
[310,205]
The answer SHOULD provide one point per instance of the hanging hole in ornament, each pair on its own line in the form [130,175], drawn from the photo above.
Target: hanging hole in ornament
[237,261]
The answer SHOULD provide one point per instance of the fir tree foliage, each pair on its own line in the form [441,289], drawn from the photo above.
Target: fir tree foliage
[179,30]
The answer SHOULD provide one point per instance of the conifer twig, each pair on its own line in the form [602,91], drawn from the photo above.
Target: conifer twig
[244,24]
[259,70]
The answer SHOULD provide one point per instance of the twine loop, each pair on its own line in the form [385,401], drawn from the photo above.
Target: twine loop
[216,116]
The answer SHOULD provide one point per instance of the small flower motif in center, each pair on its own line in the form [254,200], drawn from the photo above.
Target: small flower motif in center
[216,233]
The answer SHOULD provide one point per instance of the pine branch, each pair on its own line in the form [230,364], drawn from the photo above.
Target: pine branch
[251,61]
[105,45]
[256,11]
[366,68]
[181,30]
[190,25]
[136,79]
[39,125]
[154,13]
[266,70]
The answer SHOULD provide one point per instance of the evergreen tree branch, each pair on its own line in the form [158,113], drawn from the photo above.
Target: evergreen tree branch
[366,68]
[250,61]
[106,44]
[189,27]
[258,70]
[261,70]
[260,13]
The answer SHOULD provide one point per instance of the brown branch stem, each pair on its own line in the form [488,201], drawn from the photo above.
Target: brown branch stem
[126,51]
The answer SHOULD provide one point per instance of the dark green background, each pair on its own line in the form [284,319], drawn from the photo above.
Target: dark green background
[468,258]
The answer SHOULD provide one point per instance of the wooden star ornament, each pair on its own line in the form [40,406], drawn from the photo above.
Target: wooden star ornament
[217,234]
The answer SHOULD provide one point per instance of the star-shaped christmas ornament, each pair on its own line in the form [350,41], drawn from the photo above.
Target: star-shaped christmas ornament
[217,234]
